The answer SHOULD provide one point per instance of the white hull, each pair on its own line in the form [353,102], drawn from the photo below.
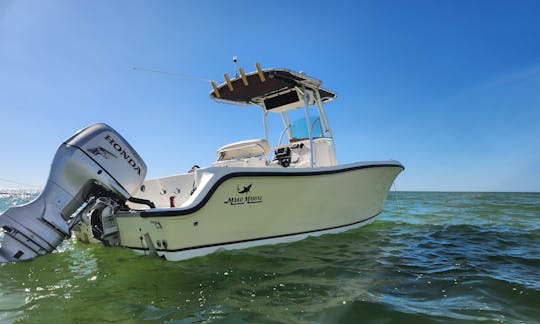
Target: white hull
[197,252]
[253,194]
[279,206]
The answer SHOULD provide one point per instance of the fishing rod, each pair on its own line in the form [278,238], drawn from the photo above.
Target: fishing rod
[184,76]
[187,76]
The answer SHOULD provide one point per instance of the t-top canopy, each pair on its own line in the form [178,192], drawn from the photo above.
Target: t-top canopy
[273,89]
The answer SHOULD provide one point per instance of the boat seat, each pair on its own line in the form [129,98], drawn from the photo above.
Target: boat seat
[243,149]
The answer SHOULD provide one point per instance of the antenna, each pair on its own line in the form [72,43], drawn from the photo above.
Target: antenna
[235,59]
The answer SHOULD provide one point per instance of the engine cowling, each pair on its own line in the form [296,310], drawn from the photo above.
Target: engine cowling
[95,162]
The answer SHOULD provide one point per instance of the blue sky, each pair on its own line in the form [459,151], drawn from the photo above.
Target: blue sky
[449,88]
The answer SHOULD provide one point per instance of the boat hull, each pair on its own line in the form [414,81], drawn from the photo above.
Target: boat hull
[239,209]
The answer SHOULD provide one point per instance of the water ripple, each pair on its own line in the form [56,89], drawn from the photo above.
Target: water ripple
[437,257]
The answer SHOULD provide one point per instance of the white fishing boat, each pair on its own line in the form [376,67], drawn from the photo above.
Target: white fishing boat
[254,193]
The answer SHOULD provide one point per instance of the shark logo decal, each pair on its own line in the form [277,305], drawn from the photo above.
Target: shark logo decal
[245,190]
[244,196]
[103,152]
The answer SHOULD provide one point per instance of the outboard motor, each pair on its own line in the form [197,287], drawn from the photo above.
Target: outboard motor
[95,162]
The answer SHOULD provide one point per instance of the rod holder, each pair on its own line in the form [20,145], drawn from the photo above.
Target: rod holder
[229,84]
[260,72]
[216,91]
[243,75]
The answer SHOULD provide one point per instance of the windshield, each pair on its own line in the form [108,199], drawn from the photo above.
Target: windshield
[299,128]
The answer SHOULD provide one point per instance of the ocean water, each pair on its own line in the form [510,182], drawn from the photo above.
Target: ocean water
[430,257]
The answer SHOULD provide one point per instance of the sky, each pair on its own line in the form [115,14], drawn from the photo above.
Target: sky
[451,89]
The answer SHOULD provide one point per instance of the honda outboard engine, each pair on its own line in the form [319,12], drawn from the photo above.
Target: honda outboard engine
[95,162]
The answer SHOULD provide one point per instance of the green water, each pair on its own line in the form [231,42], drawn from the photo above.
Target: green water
[430,257]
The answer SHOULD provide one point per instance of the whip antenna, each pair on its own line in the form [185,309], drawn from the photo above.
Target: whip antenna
[185,76]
